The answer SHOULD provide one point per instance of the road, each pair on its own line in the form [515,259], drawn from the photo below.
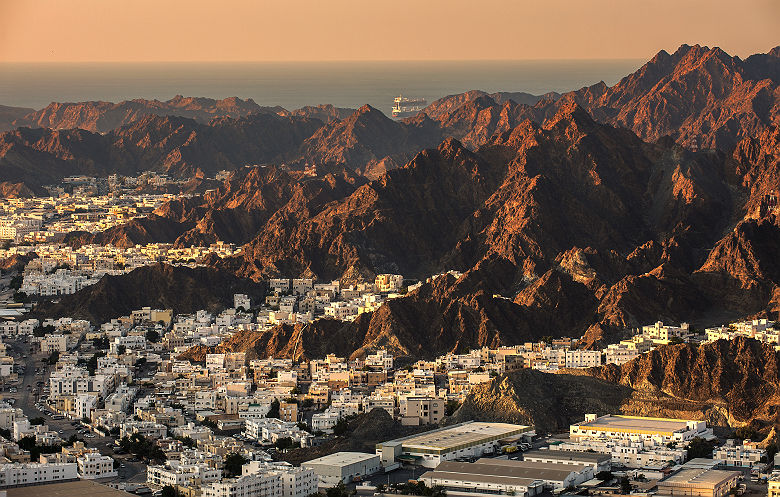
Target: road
[26,399]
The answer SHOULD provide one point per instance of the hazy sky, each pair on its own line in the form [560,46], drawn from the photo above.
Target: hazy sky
[244,30]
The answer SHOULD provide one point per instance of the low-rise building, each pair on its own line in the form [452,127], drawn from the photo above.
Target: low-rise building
[343,467]
[36,473]
[699,483]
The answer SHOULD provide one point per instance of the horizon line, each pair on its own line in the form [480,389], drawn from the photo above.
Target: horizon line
[321,61]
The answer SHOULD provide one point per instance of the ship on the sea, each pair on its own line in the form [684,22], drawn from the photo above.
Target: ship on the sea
[407,106]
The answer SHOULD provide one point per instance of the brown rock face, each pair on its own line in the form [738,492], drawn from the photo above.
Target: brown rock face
[102,117]
[701,97]
[569,228]
[176,145]
[561,222]
[367,136]
[727,383]
[182,289]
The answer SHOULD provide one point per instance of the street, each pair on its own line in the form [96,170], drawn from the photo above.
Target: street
[27,394]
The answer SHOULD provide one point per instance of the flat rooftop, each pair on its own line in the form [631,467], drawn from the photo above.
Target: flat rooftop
[568,455]
[708,478]
[478,478]
[341,459]
[78,488]
[459,436]
[636,424]
[507,468]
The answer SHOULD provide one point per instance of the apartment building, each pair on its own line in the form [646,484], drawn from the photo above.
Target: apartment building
[421,410]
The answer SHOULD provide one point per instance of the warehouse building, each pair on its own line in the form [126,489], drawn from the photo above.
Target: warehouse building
[599,462]
[652,430]
[505,477]
[465,440]
[699,483]
[343,466]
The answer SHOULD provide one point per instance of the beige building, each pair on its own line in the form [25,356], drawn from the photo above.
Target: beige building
[422,410]
[288,411]
[699,483]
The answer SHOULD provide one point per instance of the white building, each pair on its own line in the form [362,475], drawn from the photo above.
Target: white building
[343,467]
[663,334]
[253,485]
[241,301]
[325,421]
[659,431]
[296,481]
[175,473]
[36,473]
[583,358]
[469,439]
[93,465]
[744,455]
[54,343]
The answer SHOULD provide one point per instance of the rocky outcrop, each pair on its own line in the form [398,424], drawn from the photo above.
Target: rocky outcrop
[10,114]
[727,383]
[160,286]
[324,112]
[367,136]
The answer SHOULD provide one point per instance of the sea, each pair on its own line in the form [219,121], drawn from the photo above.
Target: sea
[295,84]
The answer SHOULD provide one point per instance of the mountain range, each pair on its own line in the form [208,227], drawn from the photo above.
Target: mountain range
[581,214]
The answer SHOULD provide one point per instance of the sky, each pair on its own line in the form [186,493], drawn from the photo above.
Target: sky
[305,30]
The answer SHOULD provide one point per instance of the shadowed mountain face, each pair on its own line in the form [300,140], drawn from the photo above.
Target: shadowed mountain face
[727,383]
[573,227]
[182,289]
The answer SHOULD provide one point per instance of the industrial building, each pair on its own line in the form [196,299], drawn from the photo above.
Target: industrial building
[471,439]
[504,476]
[599,462]
[653,430]
[343,466]
[699,483]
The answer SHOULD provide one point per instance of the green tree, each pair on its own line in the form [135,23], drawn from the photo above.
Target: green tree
[37,421]
[233,464]
[169,491]
[450,407]
[54,357]
[338,491]
[341,427]
[746,433]
[698,447]
[274,411]
[152,336]
[604,475]
[625,485]
[283,443]
[121,349]
[42,331]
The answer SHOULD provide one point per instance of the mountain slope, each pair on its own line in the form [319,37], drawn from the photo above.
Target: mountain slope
[160,286]
[727,383]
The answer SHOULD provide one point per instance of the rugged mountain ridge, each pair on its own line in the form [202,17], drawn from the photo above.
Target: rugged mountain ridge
[102,117]
[569,228]
[728,383]
[175,145]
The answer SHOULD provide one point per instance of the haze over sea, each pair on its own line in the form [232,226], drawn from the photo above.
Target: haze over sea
[295,84]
